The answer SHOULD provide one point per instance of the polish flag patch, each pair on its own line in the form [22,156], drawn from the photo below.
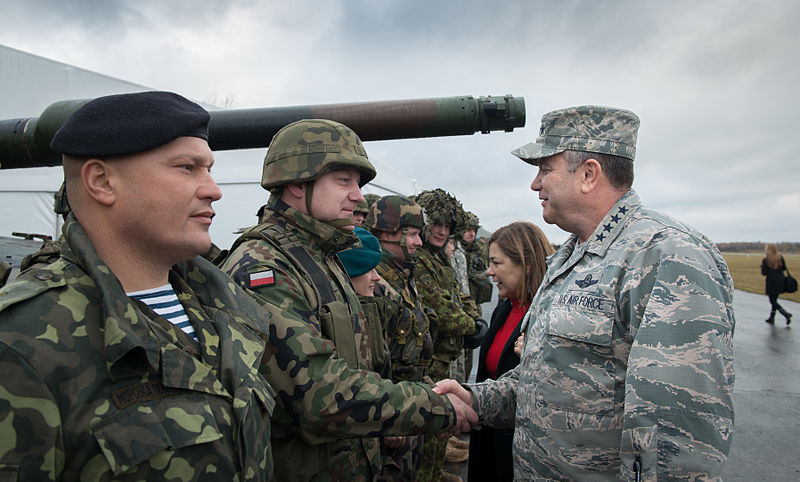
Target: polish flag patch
[262,278]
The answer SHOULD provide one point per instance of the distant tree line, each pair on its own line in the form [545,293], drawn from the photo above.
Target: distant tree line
[756,246]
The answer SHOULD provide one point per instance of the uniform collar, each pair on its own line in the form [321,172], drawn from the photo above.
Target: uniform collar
[129,333]
[613,223]
[329,239]
[124,329]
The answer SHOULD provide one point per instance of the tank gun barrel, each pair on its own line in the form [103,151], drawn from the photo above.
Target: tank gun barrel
[24,142]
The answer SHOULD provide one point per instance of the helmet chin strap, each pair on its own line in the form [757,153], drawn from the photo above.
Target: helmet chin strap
[404,246]
[309,193]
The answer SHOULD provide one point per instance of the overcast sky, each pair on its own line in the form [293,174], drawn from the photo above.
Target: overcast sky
[714,83]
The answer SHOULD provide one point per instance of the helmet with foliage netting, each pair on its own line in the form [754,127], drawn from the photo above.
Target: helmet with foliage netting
[440,207]
[304,150]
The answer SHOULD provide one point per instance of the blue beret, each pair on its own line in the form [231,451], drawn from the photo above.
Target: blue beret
[358,261]
[129,123]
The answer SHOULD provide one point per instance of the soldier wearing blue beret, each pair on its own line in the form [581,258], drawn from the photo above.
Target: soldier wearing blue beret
[627,367]
[130,357]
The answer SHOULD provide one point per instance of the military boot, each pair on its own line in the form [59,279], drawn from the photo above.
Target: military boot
[786,315]
[771,319]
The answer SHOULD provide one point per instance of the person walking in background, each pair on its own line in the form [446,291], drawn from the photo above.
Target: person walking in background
[517,263]
[773,266]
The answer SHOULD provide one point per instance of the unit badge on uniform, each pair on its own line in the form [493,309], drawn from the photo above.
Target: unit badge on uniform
[262,278]
[586,282]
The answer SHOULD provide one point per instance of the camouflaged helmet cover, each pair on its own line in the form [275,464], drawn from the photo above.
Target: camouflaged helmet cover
[304,150]
[371,198]
[471,221]
[441,207]
[361,207]
[391,213]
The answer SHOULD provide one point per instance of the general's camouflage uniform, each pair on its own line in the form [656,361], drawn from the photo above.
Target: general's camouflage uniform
[321,355]
[628,358]
[96,386]
[407,329]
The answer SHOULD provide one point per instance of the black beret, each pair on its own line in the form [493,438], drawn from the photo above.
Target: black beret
[129,123]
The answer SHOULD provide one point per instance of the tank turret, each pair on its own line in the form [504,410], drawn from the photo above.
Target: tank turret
[24,142]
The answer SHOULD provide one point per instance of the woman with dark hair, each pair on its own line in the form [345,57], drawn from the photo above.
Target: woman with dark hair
[517,255]
[773,266]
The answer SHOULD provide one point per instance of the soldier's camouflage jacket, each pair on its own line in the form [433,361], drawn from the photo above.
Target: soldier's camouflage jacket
[96,386]
[628,357]
[480,288]
[458,260]
[407,327]
[320,358]
[455,311]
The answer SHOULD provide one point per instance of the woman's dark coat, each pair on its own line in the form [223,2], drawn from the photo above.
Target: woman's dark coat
[775,277]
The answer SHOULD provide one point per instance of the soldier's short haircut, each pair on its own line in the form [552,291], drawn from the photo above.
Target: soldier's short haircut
[618,170]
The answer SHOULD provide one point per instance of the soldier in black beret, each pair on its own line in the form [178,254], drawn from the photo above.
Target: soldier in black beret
[130,357]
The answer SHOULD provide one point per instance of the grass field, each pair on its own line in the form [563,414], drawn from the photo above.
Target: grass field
[746,271]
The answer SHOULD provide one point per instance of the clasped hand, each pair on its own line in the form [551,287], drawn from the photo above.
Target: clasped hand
[461,399]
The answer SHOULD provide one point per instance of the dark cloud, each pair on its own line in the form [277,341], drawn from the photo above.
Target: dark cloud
[713,82]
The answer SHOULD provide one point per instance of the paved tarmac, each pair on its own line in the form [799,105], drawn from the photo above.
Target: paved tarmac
[766,441]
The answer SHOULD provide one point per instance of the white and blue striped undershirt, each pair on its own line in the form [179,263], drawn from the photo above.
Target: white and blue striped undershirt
[164,302]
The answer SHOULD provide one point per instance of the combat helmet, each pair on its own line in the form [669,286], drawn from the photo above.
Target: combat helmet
[362,207]
[471,221]
[440,208]
[304,150]
[393,213]
[370,199]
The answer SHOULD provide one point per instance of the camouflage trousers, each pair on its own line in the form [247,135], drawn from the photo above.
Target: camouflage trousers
[401,464]
[434,448]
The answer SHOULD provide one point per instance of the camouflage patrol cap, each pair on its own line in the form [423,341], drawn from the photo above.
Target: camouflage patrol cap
[391,213]
[588,128]
[304,150]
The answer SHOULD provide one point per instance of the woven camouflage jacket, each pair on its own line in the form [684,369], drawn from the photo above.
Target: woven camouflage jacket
[455,311]
[319,357]
[480,288]
[627,368]
[96,386]
[407,326]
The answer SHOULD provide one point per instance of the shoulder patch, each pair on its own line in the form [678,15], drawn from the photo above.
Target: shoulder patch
[262,278]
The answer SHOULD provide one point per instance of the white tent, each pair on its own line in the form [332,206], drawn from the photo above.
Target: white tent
[30,83]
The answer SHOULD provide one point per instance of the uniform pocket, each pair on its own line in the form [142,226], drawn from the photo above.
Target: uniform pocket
[577,366]
[338,326]
[139,432]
